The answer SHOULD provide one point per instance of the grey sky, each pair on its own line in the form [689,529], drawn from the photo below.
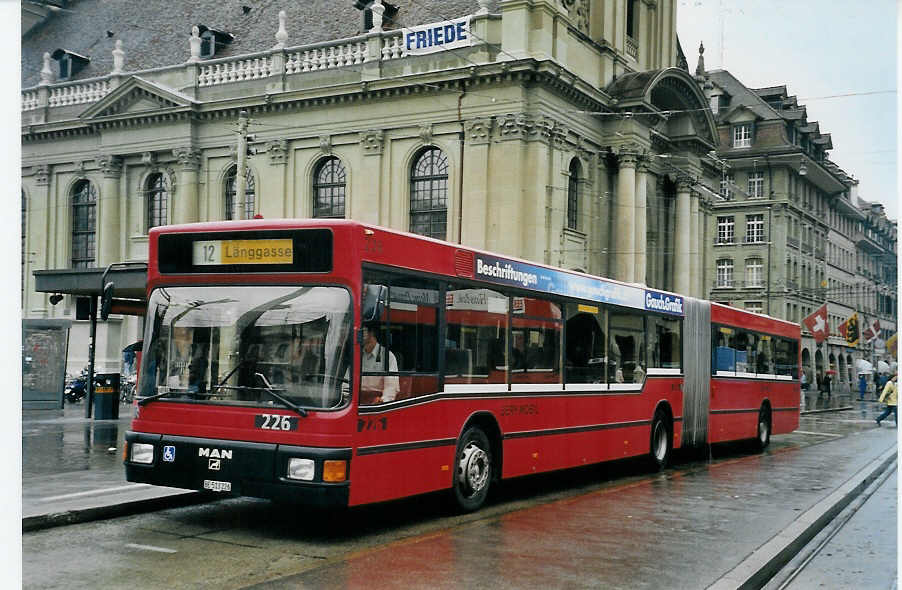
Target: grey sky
[817,48]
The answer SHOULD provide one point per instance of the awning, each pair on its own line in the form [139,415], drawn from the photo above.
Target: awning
[129,281]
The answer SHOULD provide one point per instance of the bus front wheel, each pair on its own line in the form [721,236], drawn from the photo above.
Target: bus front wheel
[661,441]
[473,470]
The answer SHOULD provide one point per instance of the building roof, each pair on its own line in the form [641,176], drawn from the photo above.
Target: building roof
[741,95]
[155,33]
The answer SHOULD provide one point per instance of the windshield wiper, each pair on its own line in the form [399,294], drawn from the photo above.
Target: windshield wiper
[150,398]
[268,389]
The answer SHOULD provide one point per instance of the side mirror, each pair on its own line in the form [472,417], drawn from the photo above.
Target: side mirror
[374,297]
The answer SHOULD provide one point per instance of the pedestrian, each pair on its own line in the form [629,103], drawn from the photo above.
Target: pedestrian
[889,394]
[862,386]
[827,380]
[804,381]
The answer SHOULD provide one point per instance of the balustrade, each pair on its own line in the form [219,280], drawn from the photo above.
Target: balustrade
[78,93]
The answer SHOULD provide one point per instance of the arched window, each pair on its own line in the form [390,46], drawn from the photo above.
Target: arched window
[84,224]
[329,188]
[429,194]
[573,194]
[156,196]
[250,193]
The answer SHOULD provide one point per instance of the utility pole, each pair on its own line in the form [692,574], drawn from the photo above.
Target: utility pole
[238,207]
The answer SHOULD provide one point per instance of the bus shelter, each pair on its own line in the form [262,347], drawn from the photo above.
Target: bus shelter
[119,288]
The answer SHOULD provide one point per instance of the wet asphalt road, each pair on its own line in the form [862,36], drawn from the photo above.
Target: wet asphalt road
[613,526]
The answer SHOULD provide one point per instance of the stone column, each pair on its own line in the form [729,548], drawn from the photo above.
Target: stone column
[681,239]
[641,222]
[109,232]
[366,205]
[694,250]
[626,218]
[473,211]
[185,206]
[271,196]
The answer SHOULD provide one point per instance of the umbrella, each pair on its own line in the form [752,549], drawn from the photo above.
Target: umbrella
[863,366]
[883,368]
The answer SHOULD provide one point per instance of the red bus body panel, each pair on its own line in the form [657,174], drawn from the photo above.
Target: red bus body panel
[735,402]
[408,450]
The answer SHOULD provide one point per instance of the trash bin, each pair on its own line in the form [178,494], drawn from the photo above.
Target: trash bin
[106,396]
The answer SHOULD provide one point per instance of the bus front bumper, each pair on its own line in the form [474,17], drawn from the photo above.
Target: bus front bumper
[234,468]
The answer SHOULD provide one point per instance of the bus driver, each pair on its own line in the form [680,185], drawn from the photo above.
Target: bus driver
[376,389]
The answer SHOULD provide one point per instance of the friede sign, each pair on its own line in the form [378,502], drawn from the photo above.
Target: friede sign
[449,34]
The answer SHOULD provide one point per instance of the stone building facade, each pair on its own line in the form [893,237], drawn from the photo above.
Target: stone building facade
[790,232]
[562,132]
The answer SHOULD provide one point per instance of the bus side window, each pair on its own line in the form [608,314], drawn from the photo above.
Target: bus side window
[765,355]
[413,316]
[535,341]
[664,342]
[724,360]
[585,353]
[476,336]
[627,347]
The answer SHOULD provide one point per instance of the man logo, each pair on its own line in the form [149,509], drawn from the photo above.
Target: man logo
[169,454]
[214,465]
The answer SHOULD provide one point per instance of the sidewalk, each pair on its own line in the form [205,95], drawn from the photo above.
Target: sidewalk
[72,466]
[72,470]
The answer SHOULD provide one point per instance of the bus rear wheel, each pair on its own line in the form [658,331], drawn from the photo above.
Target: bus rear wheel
[762,437]
[472,470]
[661,441]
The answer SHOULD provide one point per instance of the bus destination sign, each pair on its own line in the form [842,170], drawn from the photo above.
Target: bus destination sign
[259,251]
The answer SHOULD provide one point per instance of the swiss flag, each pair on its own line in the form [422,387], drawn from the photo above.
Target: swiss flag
[817,324]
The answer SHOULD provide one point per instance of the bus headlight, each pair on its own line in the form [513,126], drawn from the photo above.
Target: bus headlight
[300,469]
[142,453]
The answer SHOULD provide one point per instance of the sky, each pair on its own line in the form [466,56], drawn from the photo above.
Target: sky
[818,49]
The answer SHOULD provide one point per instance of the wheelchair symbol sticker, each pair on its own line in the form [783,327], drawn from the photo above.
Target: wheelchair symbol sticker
[169,453]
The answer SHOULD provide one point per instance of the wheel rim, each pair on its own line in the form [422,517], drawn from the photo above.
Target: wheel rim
[660,446]
[473,469]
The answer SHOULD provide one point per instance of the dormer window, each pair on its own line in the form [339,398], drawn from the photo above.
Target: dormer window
[388,17]
[212,41]
[742,135]
[70,63]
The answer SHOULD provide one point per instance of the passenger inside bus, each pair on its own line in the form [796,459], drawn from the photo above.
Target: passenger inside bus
[376,389]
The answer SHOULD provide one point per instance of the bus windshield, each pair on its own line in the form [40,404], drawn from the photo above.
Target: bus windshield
[240,344]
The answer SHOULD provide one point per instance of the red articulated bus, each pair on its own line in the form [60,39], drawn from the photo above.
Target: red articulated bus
[336,363]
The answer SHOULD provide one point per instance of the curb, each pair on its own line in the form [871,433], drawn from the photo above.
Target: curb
[770,558]
[46,521]
[842,409]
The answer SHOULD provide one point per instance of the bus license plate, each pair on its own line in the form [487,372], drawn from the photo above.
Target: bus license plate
[217,486]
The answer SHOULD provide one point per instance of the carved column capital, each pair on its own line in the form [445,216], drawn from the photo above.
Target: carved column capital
[110,165]
[478,131]
[149,159]
[372,141]
[516,126]
[683,184]
[627,159]
[278,150]
[188,157]
[42,174]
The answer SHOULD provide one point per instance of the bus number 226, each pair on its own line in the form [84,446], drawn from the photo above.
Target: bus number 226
[275,422]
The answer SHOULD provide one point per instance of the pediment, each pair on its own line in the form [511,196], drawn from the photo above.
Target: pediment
[741,114]
[137,96]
